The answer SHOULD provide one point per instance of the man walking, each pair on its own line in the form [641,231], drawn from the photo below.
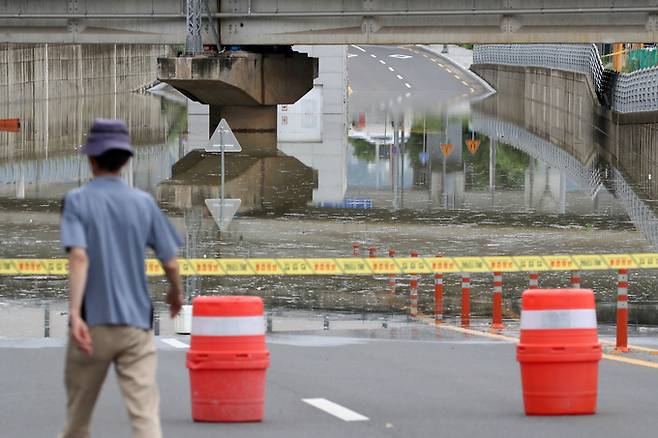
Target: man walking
[106,226]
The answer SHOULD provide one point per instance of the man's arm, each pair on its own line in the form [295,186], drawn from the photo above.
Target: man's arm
[78,264]
[175,295]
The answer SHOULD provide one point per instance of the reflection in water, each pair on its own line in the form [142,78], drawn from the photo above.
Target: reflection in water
[534,180]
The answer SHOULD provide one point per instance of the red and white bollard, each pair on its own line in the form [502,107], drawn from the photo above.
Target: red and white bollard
[575,279]
[533,280]
[391,277]
[413,292]
[497,320]
[466,300]
[438,297]
[356,250]
[622,310]
[372,252]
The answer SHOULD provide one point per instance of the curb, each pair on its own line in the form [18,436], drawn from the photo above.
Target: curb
[470,72]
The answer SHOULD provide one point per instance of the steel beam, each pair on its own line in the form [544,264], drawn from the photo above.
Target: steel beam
[286,22]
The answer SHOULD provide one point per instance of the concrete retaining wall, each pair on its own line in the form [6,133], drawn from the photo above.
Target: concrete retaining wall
[45,71]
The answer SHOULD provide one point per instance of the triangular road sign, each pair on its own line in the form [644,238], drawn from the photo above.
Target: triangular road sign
[472,145]
[446,148]
[223,134]
[223,213]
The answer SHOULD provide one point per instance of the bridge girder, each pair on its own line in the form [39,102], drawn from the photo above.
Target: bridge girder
[287,22]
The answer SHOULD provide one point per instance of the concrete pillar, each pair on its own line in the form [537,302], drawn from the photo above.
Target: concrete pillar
[243,88]
[253,126]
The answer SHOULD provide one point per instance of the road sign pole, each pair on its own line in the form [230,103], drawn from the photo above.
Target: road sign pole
[222,193]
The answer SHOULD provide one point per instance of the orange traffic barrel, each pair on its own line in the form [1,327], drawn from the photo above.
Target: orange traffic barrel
[227,359]
[559,351]
[10,125]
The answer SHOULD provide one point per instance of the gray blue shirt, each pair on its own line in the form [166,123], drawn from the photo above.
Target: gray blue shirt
[115,224]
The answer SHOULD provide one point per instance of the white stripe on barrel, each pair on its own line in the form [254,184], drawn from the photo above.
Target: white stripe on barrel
[228,326]
[558,319]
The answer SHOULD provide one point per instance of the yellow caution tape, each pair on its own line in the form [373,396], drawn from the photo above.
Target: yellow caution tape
[295,267]
[354,266]
[472,264]
[590,262]
[531,263]
[7,267]
[361,266]
[413,265]
[501,264]
[563,262]
[619,261]
[383,265]
[265,266]
[646,261]
[236,266]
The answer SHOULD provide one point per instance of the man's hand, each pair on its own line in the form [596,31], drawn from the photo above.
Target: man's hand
[81,335]
[175,295]
[175,301]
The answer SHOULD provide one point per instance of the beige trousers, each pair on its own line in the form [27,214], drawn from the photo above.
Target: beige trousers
[133,353]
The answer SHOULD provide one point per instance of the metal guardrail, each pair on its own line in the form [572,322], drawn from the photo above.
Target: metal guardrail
[588,175]
[623,93]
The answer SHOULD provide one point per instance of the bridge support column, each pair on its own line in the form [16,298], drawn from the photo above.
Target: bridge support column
[244,88]
[253,126]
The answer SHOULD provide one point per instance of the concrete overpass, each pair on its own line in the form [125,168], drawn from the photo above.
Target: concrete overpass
[287,22]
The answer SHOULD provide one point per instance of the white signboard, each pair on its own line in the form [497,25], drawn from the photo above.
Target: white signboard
[223,135]
[223,212]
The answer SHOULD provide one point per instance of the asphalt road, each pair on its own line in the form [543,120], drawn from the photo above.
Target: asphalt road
[391,77]
[409,381]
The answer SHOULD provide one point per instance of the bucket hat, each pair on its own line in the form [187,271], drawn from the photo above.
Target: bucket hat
[106,134]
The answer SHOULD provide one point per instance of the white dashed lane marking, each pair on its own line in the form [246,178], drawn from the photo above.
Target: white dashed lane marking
[391,69]
[374,56]
[174,343]
[406,84]
[358,48]
[381,61]
[335,409]
[399,77]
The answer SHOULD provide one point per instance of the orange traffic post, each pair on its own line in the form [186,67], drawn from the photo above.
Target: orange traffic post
[533,280]
[372,252]
[575,279]
[10,125]
[497,319]
[413,292]
[466,300]
[356,249]
[622,311]
[438,297]
[391,277]
[227,359]
[559,351]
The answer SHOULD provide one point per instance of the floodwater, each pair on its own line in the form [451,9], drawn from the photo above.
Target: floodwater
[386,181]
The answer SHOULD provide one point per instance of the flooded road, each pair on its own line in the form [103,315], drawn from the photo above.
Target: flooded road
[419,163]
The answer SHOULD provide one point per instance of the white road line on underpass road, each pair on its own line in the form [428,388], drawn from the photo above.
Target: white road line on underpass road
[400,77]
[381,61]
[175,343]
[358,48]
[335,409]
[391,69]
[374,56]
[406,84]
